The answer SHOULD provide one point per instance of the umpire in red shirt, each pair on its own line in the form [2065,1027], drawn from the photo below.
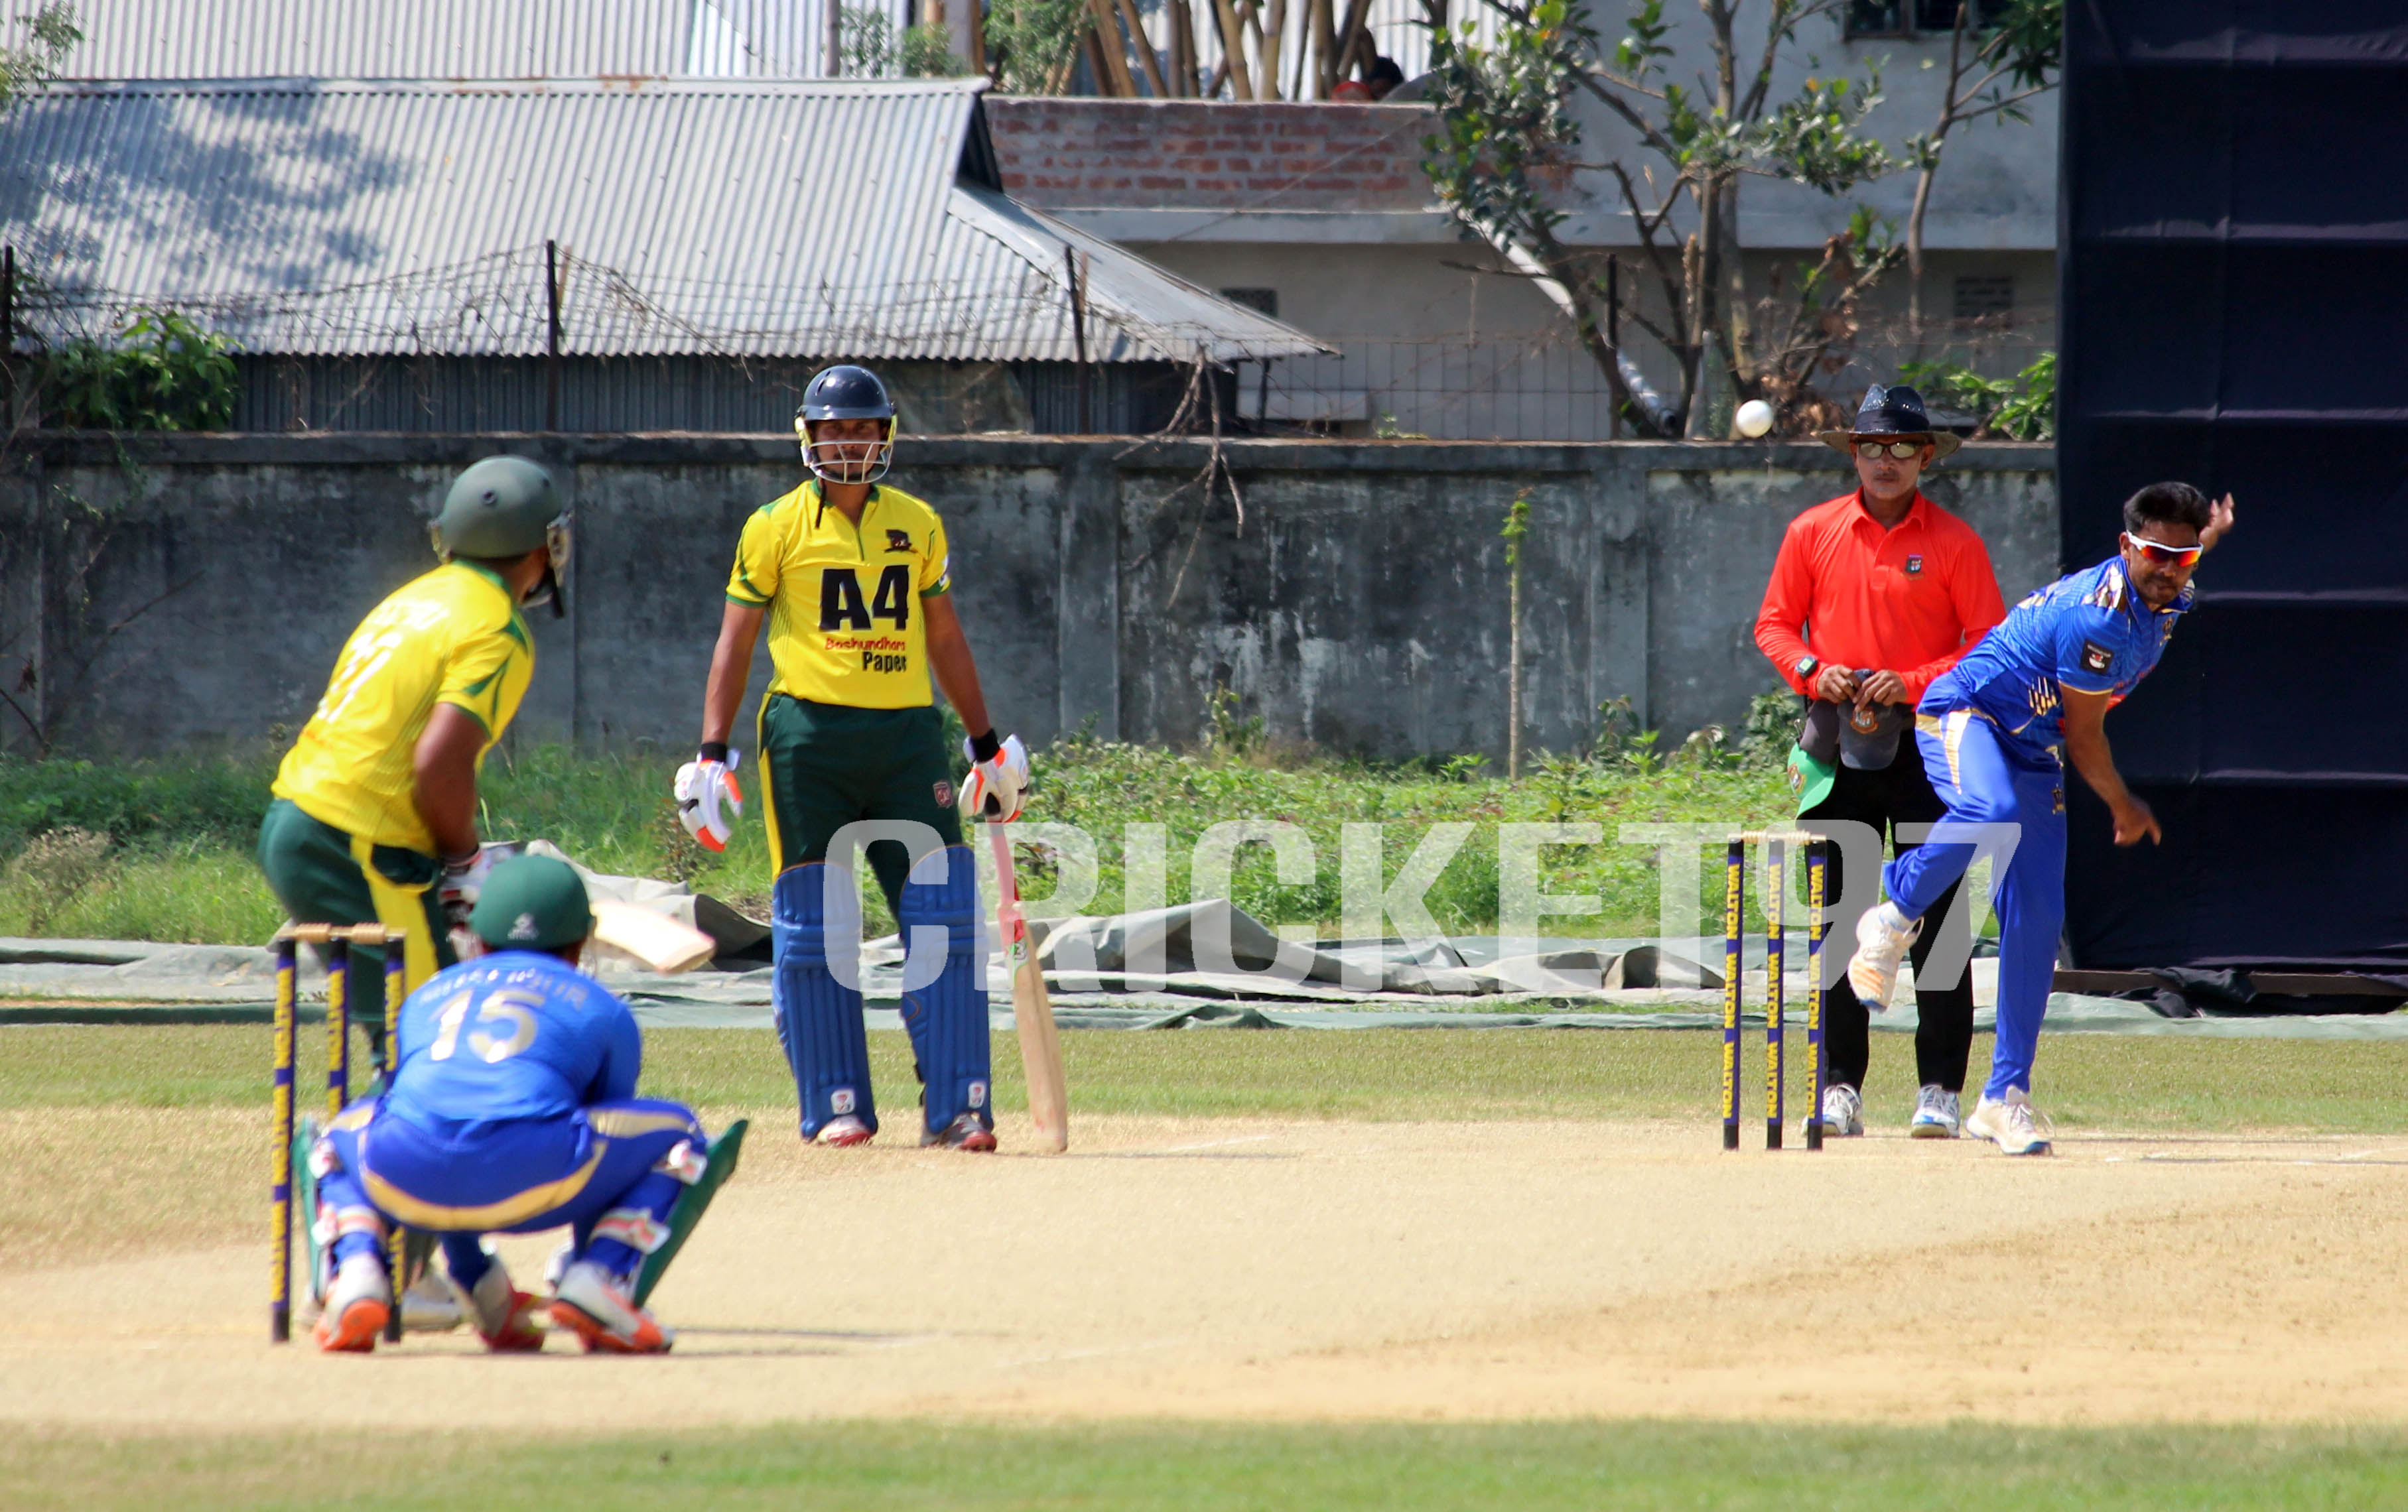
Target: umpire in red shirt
[1874,594]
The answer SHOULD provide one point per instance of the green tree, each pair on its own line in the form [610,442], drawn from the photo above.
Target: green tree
[31,58]
[2022,409]
[1509,143]
[928,53]
[2012,58]
[1031,45]
[874,49]
[868,41]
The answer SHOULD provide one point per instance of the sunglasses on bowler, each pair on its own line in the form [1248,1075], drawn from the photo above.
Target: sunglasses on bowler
[2165,556]
[1900,450]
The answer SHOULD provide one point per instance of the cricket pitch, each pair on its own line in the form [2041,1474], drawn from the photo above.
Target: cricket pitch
[1244,1269]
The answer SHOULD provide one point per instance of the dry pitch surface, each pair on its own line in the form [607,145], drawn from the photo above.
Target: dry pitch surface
[1235,1269]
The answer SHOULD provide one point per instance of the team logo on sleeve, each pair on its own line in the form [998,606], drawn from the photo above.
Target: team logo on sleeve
[898,540]
[2095,658]
[943,793]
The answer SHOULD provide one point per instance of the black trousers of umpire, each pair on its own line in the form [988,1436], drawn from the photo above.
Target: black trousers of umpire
[1898,794]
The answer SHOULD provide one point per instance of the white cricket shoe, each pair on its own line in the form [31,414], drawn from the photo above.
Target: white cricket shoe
[606,1317]
[1938,1115]
[2010,1123]
[1843,1112]
[357,1305]
[430,1305]
[843,1130]
[1883,937]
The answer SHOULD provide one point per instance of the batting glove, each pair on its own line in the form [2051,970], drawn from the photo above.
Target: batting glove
[702,785]
[998,786]
[464,880]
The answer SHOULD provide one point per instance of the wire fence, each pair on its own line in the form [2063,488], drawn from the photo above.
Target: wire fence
[483,345]
[1512,386]
[1543,385]
[529,301]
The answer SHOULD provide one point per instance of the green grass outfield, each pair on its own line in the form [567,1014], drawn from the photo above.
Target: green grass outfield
[2085,1082]
[943,1468]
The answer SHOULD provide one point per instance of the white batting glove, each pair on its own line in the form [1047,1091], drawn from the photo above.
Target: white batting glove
[702,785]
[997,789]
[462,883]
[464,878]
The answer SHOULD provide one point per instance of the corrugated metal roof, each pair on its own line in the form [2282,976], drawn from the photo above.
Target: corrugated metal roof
[126,39]
[692,215]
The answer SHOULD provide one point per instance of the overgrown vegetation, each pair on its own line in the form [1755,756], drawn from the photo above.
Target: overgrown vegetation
[1032,45]
[180,832]
[55,868]
[161,373]
[31,58]
[874,48]
[2021,408]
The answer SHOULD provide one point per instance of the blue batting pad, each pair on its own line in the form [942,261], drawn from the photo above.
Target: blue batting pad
[948,1016]
[819,1017]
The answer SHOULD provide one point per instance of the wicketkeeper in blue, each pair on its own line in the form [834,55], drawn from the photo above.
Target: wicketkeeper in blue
[1990,732]
[514,1110]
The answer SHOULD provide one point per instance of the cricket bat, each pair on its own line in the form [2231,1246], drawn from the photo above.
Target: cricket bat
[1032,1010]
[660,943]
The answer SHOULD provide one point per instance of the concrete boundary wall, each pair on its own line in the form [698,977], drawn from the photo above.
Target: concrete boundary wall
[162,593]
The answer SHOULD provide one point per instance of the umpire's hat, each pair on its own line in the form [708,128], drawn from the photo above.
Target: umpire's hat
[1895,411]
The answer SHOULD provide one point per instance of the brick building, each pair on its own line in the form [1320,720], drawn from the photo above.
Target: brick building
[1320,215]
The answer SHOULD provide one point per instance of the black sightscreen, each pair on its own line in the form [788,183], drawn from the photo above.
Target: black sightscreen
[2234,312]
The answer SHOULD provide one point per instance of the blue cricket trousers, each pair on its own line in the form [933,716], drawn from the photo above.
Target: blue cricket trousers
[1983,782]
[516,1176]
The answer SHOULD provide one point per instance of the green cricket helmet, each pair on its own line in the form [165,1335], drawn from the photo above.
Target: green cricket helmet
[502,509]
[532,903]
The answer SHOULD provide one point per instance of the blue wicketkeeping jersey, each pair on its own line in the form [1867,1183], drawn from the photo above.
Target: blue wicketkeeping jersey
[2088,631]
[515,1034]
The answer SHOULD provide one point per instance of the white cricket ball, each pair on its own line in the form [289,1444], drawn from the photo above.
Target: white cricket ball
[1754,418]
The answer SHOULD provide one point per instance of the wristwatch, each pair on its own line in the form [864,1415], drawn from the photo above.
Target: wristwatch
[1806,665]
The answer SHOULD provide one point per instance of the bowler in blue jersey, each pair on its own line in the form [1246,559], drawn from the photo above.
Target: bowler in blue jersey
[1996,732]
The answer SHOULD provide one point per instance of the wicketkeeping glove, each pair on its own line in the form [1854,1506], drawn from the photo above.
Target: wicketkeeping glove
[998,787]
[702,784]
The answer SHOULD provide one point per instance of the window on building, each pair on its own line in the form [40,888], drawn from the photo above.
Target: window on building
[1981,296]
[1264,300]
[1915,18]
[1876,18]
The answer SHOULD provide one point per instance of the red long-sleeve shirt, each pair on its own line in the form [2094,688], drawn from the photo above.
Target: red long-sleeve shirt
[1911,599]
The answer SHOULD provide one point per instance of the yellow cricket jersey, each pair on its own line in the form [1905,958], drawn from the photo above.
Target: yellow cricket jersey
[843,600]
[453,636]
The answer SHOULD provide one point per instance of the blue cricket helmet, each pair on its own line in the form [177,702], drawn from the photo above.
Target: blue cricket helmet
[845,392]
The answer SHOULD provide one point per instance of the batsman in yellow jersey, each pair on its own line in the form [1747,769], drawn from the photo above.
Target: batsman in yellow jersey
[375,812]
[854,581]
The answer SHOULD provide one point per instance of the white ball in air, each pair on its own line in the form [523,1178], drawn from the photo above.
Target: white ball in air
[1755,418]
